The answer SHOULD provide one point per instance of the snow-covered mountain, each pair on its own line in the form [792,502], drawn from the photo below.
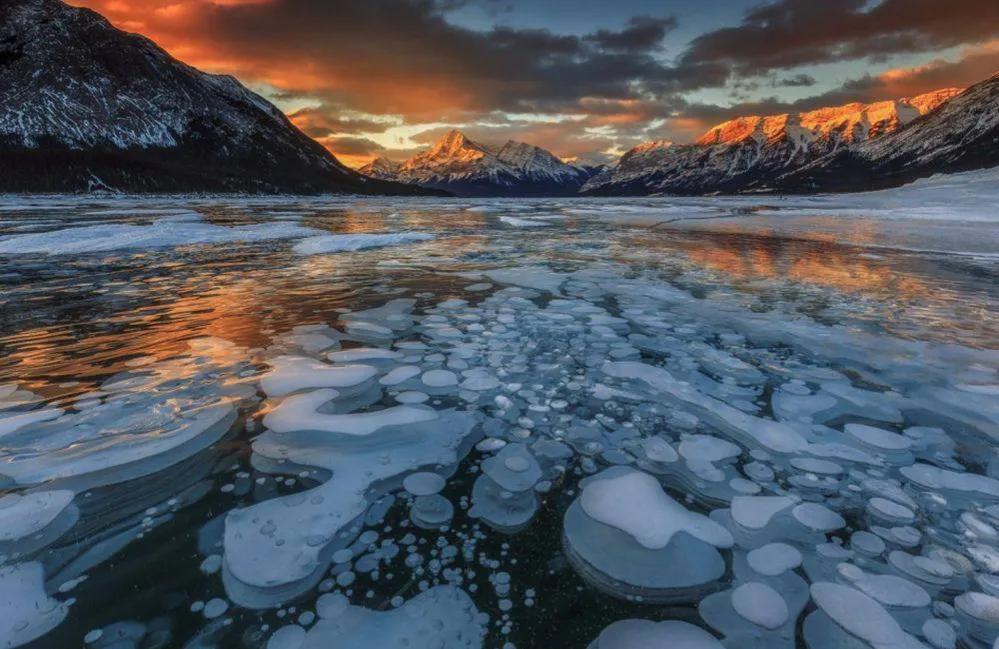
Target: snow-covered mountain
[381,168]
[458,165]
[750,153]
[962,135]
[86,106]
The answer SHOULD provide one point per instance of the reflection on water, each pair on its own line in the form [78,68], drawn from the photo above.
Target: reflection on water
[928,297]
[142,369]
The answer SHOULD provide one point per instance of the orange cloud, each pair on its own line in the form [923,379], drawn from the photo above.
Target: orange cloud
[404,59]
[976,63]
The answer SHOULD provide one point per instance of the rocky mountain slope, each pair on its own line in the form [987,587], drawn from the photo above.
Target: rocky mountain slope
[755,153]
[962,135]
[466,168]
[85,106]
[381,168]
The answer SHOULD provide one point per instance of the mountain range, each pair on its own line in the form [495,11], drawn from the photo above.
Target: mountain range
[772,153]
[853,147]
[85,106]
[961,134]
[463,167]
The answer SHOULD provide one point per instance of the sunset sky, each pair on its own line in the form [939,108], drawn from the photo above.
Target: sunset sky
[583,78]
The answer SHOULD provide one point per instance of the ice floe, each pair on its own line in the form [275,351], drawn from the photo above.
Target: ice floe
[162,233]
[26,611]
[663,552]
[441,617]
[328,243]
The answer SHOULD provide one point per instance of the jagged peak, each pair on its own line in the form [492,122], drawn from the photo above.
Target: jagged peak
[653,144]
[844,119]
[513,145]
[38,12]
[930,101]
[380,164]
[744,128]
[452,142]
[522,154]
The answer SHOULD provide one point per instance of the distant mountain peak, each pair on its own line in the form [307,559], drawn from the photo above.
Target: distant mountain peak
[453,143]
[653,144]
[463,166]
[752,152]
[380,167]
[453,148]
[852,122]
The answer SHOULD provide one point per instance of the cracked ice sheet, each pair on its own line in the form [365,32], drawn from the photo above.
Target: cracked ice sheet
[946,214]
[771,435]
[327,243]
[278,548]
[26,611]
[162,233]
[139,422]
[536,277]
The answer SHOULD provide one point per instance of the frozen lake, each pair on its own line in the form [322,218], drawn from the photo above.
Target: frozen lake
[614,423]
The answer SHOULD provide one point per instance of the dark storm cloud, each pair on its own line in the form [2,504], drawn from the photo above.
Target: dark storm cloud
[398,56]
[323,122]
[788,33]
[403,58]
[353,146]
[795,81]
[642,33]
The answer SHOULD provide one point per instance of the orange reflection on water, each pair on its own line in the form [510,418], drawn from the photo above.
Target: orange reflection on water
[745,252]
[43,357]
[899,292]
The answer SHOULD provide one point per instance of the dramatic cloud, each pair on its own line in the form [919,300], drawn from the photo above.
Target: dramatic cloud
[402,57]
[380,76]
[797,81]
[320,122]
[977,63]
[796,32]
[642,33]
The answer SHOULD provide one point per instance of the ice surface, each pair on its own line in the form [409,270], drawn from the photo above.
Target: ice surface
[521,223]
[423,483]
[300,412]
[755,512]
[23,515]
[162,233]
[277,546]
[645,634]
[327,243]
[364,354]
[860,616]
[539,278]
[889,590]
[931,477]
[12,421]
[760,604]
[635,503]
[774,559]
[26,611]
[670,556]
[769,434]
[291,374]
[715,423]
[443,616]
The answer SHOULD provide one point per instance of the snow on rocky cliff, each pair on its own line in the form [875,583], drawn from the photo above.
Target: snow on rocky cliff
[748,153]
[84,105]
[462,166]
